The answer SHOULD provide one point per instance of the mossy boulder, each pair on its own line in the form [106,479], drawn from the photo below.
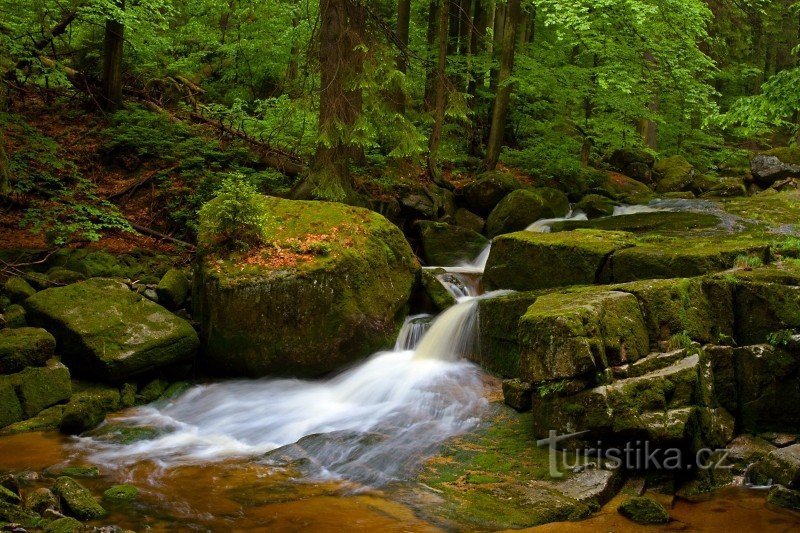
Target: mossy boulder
[681,258]
[633,162]
[596,206]
[14,514]
[41,499]
[41,387]
[446,245]
[767,388]
[48,419]
[521,208]
[486,191]
[9,496]
[499,332]
[529,261]
[437,296]
[173,289]
[643,510]
[64,525]
[674,174]
[76,500]
[63,276]
[142,265]
[105,330]
[776,164]
[469,220]
[662,222]
[87,409]
[780,467]
[74,471]
[568,335]
[23,347]
[726,188]
[121,494]
[620,187]
[296,307]
[518,394]
[763,308]
[15,317]
[17,289]
[784,497]
[10,408]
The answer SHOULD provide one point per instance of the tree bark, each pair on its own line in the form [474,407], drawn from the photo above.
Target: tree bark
[477,73]
[403,23]
[294,54]
[443,20]
[430,74]
[111,99]
[341,60]
[503,96]
[5,171]
[497,43]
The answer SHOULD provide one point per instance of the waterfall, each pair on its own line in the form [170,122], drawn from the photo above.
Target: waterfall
[412,331]
[543,225]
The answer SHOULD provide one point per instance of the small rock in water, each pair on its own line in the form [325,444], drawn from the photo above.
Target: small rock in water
[643,510]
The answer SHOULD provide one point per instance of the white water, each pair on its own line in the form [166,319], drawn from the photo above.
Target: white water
[545,224]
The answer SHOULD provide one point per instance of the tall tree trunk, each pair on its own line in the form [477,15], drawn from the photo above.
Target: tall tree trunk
[441,84]
[294,53]
[112,63]
[5,171]
[403,22]
[477,73]
[503,96]
[342,27]
[453,10]
[497,43]
[430,74]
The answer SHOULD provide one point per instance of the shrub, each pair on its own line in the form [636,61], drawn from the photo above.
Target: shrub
[234,218]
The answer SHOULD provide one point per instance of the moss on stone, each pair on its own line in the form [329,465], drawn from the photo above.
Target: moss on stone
[173,289]
[41,387]
[521,208]
[788,155]
[105,330]
[662,222]
[311,313]
[488,189]
[23,347]
[499,331]
[64,525]
[643,510]
[784,497]
[10,409]
[596,206]
[121,494]
[76,500]
[674,174]
[41,499]
[17,289]
[621,187]
[439,297]
[152,390]
[74,471]
[529,261]
[15,316]
[14,514]
[50,418]
[446,245]
[88,408]
[7,496]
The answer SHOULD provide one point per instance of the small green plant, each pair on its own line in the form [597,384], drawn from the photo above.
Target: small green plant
[781,337]
[747,262]
[234,218]
[789,247]
[550,389]
[725,339]
[680,341]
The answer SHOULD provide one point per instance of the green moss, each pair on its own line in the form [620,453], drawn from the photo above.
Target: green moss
[48,419]
[76,500]
[499,330]
[11,513]
[15,316]
[662,222]
[175,390]
[120,494]
[173,289]
[87,409]
[521,208]
[595,205]
[674,174]
[74,471]
[440,298]
[152,391]
[447,245]
[7,496]
[17,289]
[41,387]
[784,497]
[22,347]
[488,189]
[10,409]
[644,510]
[788,155]
[64,525]
[529,261]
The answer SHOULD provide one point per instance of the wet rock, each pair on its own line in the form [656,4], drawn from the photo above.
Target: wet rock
[76,500]
[596,206]
[620,187]
[747,449]
[38,388]
[768,388]
[333,306]
[643,510]
[173,289]
[152,391]
[64,525]
[499,332]
[17,289]
[8,496]
[446,245]
[120,494]
[23,347]
[572,335]
[665,222]
[15,317]
[521,208]
[73,471]
[10,408]
[41,499]
[637,164]
[88,408]
[50,418]
[780,440]
[764,308]
[517,394]
[529,261]
[784,497]
[726,188]
[780,467]
[437,295]
[469,220]
[593,486]
[106,330]
[486,191]
[14,514]
[774,165]
[674,174]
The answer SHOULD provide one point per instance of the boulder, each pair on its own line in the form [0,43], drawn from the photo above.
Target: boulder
[486,191]
[763,308]
[726,188]
[141,265]
[674,174]
[768,388]
[23,347]
[662,222]
[173,289]
[529,261]
[38,388]
[48,419]
[633,162]
[63,276]
[620,187]
[521,208]
[121,494]
[682,258]
[105,330]
[87,409]
[644,511]
[330,287]
[64,525]
[784,497]
[745,450]
[15,317]
[10,409]
[437,296]
[499,331]
[780,467]
[517,394]
[76,500]
[446,245]
[578,334]
[469,220]
[596,206]
[773,165]
[42,499]
[17,289]
[430,202]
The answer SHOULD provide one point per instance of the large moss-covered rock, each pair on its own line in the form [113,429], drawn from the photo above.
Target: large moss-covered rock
[674,174]
[781,467]
[633,162]
[621,187]
[499,332]
[10,409]
[17,289]
[483,194]
[596,206]
[529,261]
[87,409]
[105,330]
[23,347]
[446,245]
[784,497]
[76,500]
[121,494]
[64,525]
[437,296]
[662,222]
[763,308]
[521,208]
[330,287]
[569,335]
[41,387]
[142,265]
[644,511]
[682,258]
[48,419]
[173,289]
[469,220]
[768,388]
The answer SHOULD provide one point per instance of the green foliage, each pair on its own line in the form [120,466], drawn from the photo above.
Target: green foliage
[233,220]
[789,247]
[680,341]
[781,338]
[747,262]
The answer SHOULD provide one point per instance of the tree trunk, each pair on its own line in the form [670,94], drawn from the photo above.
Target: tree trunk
[294,54]
[112,64]
[443,20]
[340,103]
[430,75]
[503,96]
[403,23]
[497,43]
[477,73]
[5,172]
